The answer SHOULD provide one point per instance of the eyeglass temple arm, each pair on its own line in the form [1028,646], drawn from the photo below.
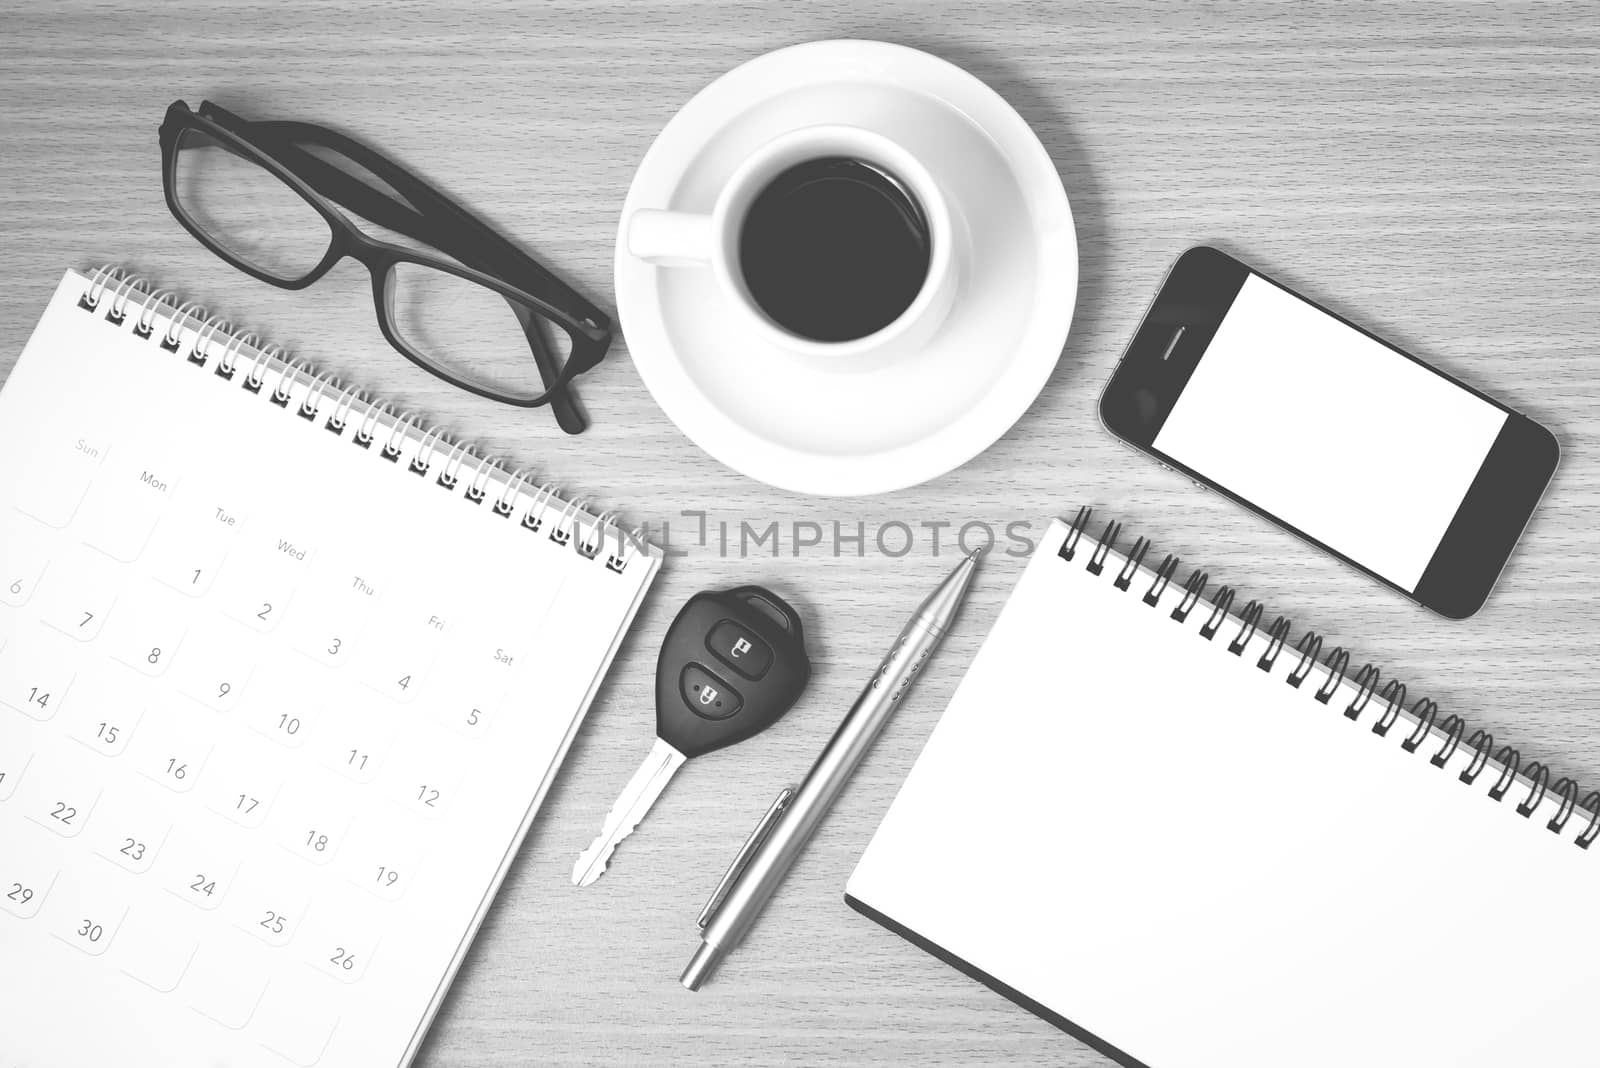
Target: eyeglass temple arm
[486,249]
[563,399]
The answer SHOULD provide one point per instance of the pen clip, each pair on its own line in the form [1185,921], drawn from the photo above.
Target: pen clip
[742,858]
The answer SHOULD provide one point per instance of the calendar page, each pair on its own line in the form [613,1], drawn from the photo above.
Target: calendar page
[278,699]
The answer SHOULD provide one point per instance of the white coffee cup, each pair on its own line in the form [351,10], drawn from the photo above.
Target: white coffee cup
[679,239]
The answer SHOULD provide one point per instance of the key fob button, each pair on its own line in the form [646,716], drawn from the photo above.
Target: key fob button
[708,696]
[737,646]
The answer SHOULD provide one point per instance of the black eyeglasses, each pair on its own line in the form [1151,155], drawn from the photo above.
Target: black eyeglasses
[266,197]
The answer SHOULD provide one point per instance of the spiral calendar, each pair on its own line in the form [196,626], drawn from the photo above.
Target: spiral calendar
[1192,840]
[284,677]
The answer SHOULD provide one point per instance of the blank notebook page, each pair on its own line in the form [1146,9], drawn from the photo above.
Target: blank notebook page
[1194,865]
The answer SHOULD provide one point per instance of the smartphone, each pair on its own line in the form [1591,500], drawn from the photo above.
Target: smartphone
[1329,431]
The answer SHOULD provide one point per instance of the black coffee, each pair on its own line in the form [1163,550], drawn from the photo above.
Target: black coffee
[834,249]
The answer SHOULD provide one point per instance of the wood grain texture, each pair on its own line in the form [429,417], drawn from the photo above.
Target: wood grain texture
[1427,169]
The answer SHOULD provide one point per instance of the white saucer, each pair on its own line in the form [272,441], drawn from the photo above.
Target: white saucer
[834,428]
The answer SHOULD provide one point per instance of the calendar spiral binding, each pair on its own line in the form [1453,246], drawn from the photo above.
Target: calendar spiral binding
[160,315]
[1448,732]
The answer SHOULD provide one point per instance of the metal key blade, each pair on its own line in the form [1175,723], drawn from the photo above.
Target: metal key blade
[635,800]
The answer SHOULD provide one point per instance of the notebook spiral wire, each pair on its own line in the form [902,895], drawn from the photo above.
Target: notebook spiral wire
[350,414]
[1451,732]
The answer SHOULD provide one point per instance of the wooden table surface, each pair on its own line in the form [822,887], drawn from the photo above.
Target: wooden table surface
[1430,170]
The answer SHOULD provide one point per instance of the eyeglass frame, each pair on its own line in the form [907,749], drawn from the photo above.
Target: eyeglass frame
[477,250]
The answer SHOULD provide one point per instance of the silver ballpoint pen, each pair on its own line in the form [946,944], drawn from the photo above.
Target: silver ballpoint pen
[783,832]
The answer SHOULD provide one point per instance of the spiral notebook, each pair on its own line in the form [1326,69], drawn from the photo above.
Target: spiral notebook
[1153,819]
[283,680]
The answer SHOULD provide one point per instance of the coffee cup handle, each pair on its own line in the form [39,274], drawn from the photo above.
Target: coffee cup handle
[670,238]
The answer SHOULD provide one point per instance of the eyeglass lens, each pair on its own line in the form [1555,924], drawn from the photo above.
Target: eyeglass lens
[469,331]
[247,210]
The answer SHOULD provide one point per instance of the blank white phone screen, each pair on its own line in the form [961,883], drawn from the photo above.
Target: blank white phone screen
[1331,432]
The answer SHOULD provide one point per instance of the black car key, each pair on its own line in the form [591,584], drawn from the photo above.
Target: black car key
[732,664]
